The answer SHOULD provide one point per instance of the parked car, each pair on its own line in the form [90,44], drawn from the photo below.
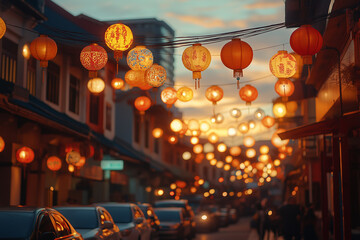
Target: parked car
[35,223]
[93,222]
[224,217]
[151,218]
[130,220]
[188,215]
[173,224]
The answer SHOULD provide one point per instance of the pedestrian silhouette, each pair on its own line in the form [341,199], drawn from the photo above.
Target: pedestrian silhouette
[290,215]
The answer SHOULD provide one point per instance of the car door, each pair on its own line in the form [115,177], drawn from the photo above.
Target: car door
[63,228]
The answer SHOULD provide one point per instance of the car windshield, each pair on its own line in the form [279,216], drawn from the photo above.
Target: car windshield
[120,214]
[168,216]
[16,224]
[81,218]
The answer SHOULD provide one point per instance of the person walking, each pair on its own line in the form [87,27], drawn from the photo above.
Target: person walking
[309,223]
[290,215]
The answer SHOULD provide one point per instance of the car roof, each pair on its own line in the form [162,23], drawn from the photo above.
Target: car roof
[23,209]
[172,201]
[170,209]
[106,204]
[144,204]
[76,207]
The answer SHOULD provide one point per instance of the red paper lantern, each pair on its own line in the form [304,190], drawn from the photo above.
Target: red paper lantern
[117,83]
[81,162]
[214,94]
[2,144]
[180,184]
[44,49]
[54,163]
[268,121]
[169,96]
[236,55]
[142,104]
[306,41]
[25,155]
[248,93]
[93,58]
[285,88]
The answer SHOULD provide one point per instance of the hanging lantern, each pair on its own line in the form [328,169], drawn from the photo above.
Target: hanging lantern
[2,144]
[140,58]
[72,157]
[208,147]
[227,167]
[213,138]
[222,147]
[118,37]
[279,110]
[219,118]
[231,131]
[198,148]
[228,159]
[26,51]
[235,151]
[157,132]
[250,153]
[264,158]
[142,104]
[134,78]
[44,49]
[176,125]
[54,163]
[93,57]
[235,113]
[282,156]
[194,140]
[193,124]
[306,41]
[291,107]
[289,150]
[155,76]
[183,130]
[283,149]
[169,96]
[248,93]
[259,114]
[268,121]
[219,164]
[210,156]
[283,65]
[186,156]
[276,140]
[196,58]
[2,28]
[236,55]
[252,124]
[213,162]
[249,141]
[214,94]
[264,149]
[204,126]
[80,163]
[285,88]
[117,83]
[195,133]
[25,155]
[173,139]
[277,162]
[199,158]
[96,85]
[243,127]
[71,168]
[184,94]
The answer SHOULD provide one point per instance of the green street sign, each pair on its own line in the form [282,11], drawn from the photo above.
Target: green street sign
[112,164]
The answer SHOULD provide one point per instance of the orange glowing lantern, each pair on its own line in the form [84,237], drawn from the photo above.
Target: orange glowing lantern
[249,141]
[208,147]
[231,131]
[204,126]
[213,137]
[264,149]
[214,94]
[183,130]
[199,158]
[26,51]
[252,124]
[259,114]
[236,55]
[96,85]
[134,78]
[169,96]
[117,83]
[209,156]
[268,121]
[235,163]
[276,140]
[219,164]
[306,41]
[184,94]
[2,144]
[222,147]
[81,162]
[282,156]
[194,140]
[93,57]
[228,159]
[243,127]
[25,155]
[213,162]
[142,104]
[118,37]
[53,163]
[250,153]
[193,124]
[282,149]
[72,157]
[186,155]
[283,65]
[157,132]
[248,93]
[44,49]
[279,110]
[198,148]
[2,28]
[181,184]
[227,167]
[289,150]
[235,151]
[285,88]
[155,76]
[219,118]
[176,125]
[173,139]
[197,59]
[264,158]
[140,58]
[71,168]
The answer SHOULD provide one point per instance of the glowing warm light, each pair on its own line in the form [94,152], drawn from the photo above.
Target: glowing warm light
[219,118]
[72,157]
[140,58]
[248,94]
[186,155]
[184,94]
[268,179]
[199,158]
[232,178]
[273,173]
[224,194]
[201,181]
[142,104]
[53,163]
[81,162]
[276,140]
[44,49]
[117,83]
[25,51]
[268,121]
[284,88]
[2,142]
[204,217]
[259,165]
[194,140]
[259,114]
[176,125]
[250,153]
[198,148]
[213,162]
[160,192]
[283,65]
[169,96]
[219,164]
[206,194]
[71,168]
[93,57]
[2,27]
[231,131]
[235,113]
[235,163]
[148,189]
[227,167]
[221,147]
[193,189]
[172,139]
[264,149]
[213,119]
[204,126]
[221,179]
[96,85]
[247,163]
[196,133]
[210,156]
[214,94]
[228,159]
[277,162]
[213,137]
[289,150]
[173,186]
[291,107]
[282,156]
[283,149]
[157,132]
[208,147]
[212,191]
[279,110]
[252,124]
[193,124]
[172,193]
[118,37]
[239,194]
[243,127]
[249,141]
[235,151]
[264,158]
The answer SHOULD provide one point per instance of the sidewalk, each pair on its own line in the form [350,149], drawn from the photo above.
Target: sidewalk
[254,236]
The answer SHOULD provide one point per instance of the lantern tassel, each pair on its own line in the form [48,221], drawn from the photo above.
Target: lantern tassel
[195,84]
[43,75]
[199,83]
[238,83]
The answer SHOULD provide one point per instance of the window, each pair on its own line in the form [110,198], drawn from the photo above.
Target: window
[45,226]
[137,128]
[8,60]
[94,109]
[74,94]
[31,76]
[108,116]
[147,129]
[156,145]
[53,83]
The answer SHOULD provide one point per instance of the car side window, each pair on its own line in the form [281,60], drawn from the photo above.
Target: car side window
[45,226]
[61,225]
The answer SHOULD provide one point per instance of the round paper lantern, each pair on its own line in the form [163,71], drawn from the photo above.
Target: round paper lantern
[228,159]
[157,132]
[219,164]
[222,147]
[169,96]
[80,163]
[2,144]
[140,58]
[306,41]
[277,162]
[235,113]
[214,94]
[276,140]
[2,28]
[282,156]
[155,76]
[250,153]
[181,184]
[259,114]
[96,85]
[173,139]
[93,57]
[118,37]
[198,148]
[186,156]
[210,156]
[243,127]
[72,157]
[184,94]
[26,51]
[193,124]
[142,104]
[236,55]
[283,149]
[264,149]
[235,151]
[285,88]
[71,168]
[231,131]
[176,125]
[213,162]
[268,121]
[134,78]
[53,163]
[117,83]
[44,49]
[249,141]
[213,138]
[289,150]
[248,94]
[204,126]
[227,167]
[235,163]
[283,65]
[279,110]
[264,158]
[195,133]
[184,129]
[252,124]
[194,140]
[208,147]
[219,118]
[25,155]
[196,59]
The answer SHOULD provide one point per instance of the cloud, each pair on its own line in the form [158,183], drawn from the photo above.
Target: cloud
[264,5]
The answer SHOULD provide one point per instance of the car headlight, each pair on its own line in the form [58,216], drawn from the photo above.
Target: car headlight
[204,217]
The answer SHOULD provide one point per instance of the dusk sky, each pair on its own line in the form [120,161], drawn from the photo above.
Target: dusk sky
[199,17]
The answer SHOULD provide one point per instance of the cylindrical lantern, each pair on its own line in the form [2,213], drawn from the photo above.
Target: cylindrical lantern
[222,147]
[283,65]
[25,155]
[118,37]
[157,132]
[276,140]
[235,113]
[250,153]
[155,76]
[235,151]
[248,93]
[169,96]
[93,57]
[2,144]
[139,58]
[243,127]
[2,28]
[173,139]
[176,125]
[72,157]
[204,126]
[236,55]
[214,94]
[279,110]
[213,137]
[249,141]
[44,49]
[306,41]
[268,121]
[285,88]
[54,163]
[142,104]
[96,85]
[117,83]
[184,94]
[198,148]
[196,58]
